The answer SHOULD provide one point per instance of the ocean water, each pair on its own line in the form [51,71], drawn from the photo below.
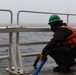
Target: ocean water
[25,37]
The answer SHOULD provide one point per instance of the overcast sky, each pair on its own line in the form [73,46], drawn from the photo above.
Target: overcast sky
[68,6]
[59,6]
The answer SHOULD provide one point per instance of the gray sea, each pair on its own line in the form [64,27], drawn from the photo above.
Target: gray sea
[25,37]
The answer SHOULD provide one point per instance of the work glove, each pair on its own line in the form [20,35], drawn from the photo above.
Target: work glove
[41,57]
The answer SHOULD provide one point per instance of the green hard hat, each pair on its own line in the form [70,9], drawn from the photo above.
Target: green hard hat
[54,18]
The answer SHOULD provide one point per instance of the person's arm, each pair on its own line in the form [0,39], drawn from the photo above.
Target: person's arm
[61,35]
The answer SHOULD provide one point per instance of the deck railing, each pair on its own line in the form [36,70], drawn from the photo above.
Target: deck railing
[38,12]
[11,21]
[11,14]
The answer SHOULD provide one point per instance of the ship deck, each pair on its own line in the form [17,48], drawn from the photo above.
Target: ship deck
[46,70]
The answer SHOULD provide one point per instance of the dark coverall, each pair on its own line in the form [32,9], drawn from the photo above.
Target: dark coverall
[63,55]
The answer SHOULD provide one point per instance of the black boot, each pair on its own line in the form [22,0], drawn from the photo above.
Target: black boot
[61,69]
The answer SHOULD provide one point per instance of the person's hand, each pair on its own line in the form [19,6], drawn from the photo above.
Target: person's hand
[41,57]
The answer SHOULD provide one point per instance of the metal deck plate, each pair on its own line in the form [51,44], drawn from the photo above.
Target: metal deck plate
[47,69]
